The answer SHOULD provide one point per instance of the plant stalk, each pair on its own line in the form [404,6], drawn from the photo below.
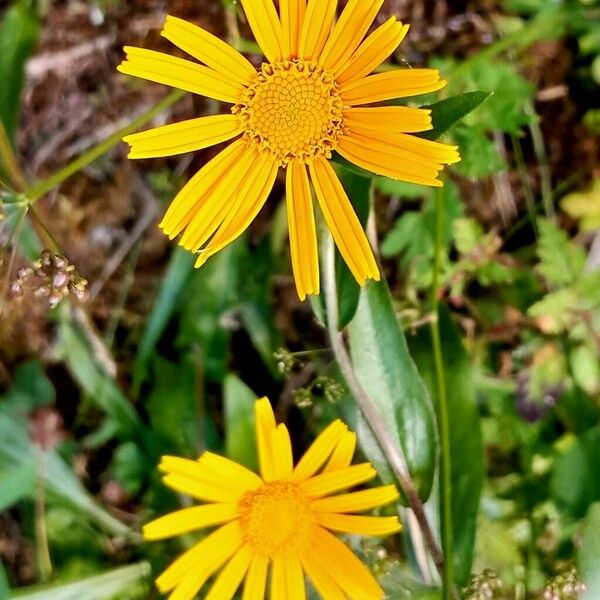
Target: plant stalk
[392,452]
[442,404]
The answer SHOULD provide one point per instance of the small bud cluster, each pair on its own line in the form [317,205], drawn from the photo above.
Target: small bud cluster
[565,586]
[484,586]
[51,277]
[324,386]
[285,361]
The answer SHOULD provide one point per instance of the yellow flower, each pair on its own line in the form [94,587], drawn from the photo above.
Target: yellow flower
[279,521]
[302,105]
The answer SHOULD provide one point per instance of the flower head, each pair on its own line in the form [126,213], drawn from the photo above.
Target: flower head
[279,521]
[307,101]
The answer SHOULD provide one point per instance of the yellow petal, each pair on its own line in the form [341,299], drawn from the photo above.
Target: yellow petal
[343,453]
[401,83]
[186,136]
[383,161]
[198,189]
[265,425]
[231,471]
[282,452]
[373,51]
[316,28]
[391,118]
[324,583]
[347,570]
[407,147]
[174,465]
[190,519]
[201,490]
[294,579]
[211,213]
[353,24]
[292,17]
[191,570]
[262,18]
[209,49]
[358,524]
[180,73]
[343,222]
[247,202]
[357,501]
[256,579]
[231,576]
[302,230]
[334,481]
[278,583]
[320,450]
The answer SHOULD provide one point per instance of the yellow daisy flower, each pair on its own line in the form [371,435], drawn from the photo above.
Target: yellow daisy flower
[278,521]
[302,105]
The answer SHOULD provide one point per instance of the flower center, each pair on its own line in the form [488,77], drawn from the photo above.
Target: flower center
[294,110]
[276,519]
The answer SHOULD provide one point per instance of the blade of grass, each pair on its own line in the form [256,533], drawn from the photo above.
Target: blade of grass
[101,587]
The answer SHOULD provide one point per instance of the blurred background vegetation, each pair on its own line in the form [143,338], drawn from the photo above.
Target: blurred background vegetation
[153,357]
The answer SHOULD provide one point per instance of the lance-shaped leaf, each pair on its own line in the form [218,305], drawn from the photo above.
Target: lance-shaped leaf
[388,374]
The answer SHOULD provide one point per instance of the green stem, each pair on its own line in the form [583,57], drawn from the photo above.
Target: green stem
[11,164]
[43,187]
[442,405]
[389,447]
[539,147]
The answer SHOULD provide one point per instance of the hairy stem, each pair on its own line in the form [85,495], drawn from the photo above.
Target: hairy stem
[442,404]
[391,450]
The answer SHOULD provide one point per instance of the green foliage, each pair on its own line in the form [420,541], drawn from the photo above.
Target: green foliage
[466,456]
[388,374]
[447,113]
[17,452]
[126,583]
[589,554]
[240,436]
[561,262]
[506,109]
[584,206]
[19,32]
[413,235]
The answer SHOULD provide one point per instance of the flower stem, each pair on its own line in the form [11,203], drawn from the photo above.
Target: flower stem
[442,404]
[43,187]
[391,450]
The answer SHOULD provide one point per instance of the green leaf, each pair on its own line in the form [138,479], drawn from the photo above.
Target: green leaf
[584,206]
[446,113]
[173,405]
[240,438]
[576,479]
[589,554]
[173,285]
[4,589]
[74,348]
[17,452]
[562,261]
[16,484]
[18,37]
[389,375]
[108,586]
[466,447]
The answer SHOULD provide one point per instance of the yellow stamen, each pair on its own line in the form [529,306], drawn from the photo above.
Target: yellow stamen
[293,109]
[277,519]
